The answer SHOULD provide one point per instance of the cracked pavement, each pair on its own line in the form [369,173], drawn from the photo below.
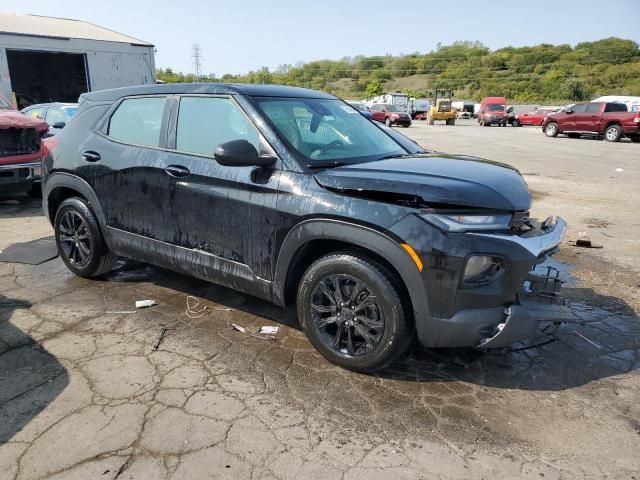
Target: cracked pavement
[84,396]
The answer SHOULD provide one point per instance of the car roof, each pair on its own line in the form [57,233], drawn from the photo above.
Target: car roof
[51,104]
[254,90]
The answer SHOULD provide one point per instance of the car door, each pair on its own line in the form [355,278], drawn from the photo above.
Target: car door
[226,215]
[588,121]
[377,113]
[568,121]
[123,161]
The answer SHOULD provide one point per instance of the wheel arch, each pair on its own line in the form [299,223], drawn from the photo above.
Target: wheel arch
[59,186]
[611,123]
[311,239]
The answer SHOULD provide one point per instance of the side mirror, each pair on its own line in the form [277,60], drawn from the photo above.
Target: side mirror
[241,153]
[568,110]
[59,125]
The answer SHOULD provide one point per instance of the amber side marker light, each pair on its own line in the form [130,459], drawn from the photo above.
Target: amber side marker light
[414,256]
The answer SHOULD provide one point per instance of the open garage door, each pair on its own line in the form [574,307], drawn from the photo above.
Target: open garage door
[41,77]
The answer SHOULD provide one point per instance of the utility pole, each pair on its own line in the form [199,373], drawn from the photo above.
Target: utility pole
[196,54]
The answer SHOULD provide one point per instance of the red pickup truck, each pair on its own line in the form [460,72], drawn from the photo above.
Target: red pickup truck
[609,120]
[20,150]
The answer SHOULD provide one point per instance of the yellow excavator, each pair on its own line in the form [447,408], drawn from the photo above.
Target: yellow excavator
[441,108]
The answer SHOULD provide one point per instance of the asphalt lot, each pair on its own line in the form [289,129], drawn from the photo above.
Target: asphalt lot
[84,396]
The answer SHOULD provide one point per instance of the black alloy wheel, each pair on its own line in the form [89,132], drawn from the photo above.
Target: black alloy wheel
[354,311]
[75,239]
[79,239]
[346,313]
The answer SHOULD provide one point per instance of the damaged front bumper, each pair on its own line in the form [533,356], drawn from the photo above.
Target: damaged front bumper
[540,301]
[507,310]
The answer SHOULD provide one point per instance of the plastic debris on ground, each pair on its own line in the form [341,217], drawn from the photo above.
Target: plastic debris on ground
[145,303]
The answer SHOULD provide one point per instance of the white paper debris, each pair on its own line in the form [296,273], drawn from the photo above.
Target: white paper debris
[268,330]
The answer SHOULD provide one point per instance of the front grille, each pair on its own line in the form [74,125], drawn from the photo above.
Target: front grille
[19,141]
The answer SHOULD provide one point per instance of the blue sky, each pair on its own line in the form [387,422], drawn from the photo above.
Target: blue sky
[241,35]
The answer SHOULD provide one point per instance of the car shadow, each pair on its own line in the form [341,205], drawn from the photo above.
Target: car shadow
[605,340]
[20,206]
[30,377]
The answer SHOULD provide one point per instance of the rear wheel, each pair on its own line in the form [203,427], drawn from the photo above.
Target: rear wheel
[551,129]
[451,121]
[387,122]
[352,311]
[613,133]
[80,241]
[516,123]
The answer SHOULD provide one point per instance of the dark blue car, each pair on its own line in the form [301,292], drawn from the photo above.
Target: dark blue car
[362,108]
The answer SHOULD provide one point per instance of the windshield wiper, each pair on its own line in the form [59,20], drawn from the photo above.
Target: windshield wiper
[325,164]
[396,155]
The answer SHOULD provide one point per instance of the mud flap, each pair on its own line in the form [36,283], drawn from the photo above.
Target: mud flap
[519,325]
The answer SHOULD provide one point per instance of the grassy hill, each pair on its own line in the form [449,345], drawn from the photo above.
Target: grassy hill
[543,73]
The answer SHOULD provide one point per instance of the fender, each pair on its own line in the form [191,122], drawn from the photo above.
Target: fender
[365,237]
[66,180]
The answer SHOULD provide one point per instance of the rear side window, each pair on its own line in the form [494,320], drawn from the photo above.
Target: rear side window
[138,121]
[206,122]
[615,107]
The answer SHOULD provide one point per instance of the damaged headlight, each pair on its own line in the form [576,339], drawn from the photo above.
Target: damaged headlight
[462,222]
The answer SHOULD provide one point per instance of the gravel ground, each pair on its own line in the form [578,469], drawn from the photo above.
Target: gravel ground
[84,396]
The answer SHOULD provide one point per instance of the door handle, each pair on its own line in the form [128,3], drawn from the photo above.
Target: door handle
[91,156]
[177,171]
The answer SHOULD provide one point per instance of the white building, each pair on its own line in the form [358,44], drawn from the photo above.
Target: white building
[47,59]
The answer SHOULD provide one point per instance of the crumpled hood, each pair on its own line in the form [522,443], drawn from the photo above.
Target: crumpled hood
[14,119]
[437,179]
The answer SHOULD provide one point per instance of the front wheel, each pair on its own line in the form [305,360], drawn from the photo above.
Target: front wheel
[352,310]
[80,241]
[613,133]
[551,130]
[387,122]
[516,123]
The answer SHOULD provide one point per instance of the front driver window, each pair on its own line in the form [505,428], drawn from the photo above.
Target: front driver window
[206,122]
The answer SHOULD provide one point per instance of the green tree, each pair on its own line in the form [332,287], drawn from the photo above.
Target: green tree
[575,90]
[373,89]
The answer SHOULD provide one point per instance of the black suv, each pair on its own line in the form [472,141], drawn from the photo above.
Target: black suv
[291,195]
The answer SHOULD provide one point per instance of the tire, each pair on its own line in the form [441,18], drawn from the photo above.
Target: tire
[613,133]
[387,316]
[387,122]
[430,120]
[551,129]
[481,123]
[79,239]
[516,123]
[36,190]
[573,135]
[451,121]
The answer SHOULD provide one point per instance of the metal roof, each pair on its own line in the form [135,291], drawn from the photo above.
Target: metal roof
[39,26]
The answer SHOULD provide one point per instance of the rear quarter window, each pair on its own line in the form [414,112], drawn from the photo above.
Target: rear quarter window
[138,121]
[615,107]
